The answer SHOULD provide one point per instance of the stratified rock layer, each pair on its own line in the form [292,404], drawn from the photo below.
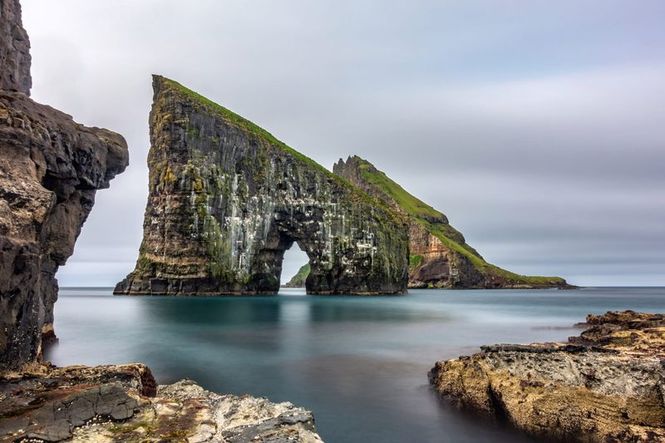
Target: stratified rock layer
[227,200]
[440,256]
[607,385]
[14,49]
[50,169]
[123,404]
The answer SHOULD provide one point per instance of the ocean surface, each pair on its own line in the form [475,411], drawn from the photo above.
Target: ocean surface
[359,363]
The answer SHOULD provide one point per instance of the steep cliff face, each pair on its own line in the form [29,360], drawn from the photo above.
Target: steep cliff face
[50,169]
[227,199]
[604,386]
[440,256]
[14,49]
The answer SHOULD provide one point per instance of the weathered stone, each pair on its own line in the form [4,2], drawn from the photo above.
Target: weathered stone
[440,256]
[607,385]
[50,169]
[227,200]
[14,49]
[118,404]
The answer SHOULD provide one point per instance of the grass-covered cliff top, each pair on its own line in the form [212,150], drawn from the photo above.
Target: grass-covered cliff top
[436,223]
[251,128]
[410,204]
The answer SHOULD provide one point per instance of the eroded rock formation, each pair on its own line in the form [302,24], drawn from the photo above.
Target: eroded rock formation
[124,404]
[227,199]
[607,385]
[50,169]
[440,256]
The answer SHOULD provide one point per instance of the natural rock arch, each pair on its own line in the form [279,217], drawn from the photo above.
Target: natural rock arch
[227,199]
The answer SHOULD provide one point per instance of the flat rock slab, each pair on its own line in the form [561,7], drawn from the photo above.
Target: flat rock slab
[123,404]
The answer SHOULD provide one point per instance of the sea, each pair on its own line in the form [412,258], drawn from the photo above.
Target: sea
[359,363]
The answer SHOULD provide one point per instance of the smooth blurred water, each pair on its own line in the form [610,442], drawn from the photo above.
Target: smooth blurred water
[359,363]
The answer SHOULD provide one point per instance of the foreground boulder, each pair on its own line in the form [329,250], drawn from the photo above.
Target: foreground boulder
[440,256]
[607,385]
[227,199]
[50,170]
[123,404]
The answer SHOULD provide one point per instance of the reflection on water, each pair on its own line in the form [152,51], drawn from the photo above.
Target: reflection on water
[359,363]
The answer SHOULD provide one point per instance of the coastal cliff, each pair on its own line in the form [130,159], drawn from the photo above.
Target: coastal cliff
[50,170]
[439,254]
[227,199]
[607,385]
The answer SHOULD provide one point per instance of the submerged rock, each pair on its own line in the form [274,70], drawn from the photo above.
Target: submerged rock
[227,199]
[607,385]
[440,256]
[50,170]
[123,404]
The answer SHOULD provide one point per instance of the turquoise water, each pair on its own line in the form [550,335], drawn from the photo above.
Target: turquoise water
[359,363]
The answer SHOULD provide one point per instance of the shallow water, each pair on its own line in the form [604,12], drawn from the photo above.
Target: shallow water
[359,363]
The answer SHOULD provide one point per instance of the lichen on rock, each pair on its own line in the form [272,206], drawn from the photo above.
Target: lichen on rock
[227,199]
[440,256]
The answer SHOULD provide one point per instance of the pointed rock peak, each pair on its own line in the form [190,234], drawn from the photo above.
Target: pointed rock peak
[14,49]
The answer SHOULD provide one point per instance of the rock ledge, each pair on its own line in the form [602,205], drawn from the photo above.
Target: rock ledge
[607,385]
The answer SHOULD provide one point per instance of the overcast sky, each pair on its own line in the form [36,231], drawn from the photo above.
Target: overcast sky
[538,127]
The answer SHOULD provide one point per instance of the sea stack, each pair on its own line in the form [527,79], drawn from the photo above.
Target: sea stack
[50,169]
[227,199]
[440,256]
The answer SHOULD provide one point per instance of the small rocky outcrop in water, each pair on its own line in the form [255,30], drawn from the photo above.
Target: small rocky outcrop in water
[440,256]
[298,280]
[124,404]
[227,199]
[607,385]
[50,169]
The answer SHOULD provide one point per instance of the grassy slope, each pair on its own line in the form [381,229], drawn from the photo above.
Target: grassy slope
[423,213]
[298,280]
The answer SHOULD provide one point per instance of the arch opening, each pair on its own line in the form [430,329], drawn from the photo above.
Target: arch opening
[295,265]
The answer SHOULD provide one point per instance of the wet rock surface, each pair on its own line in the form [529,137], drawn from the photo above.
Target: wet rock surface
[440,256]
[606,385]
[227,199]
[123,404]
[50,170]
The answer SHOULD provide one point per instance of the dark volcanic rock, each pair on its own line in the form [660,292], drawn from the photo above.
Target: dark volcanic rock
[50,169]
[227,200]
[607,385]
[14,49]
[440,256]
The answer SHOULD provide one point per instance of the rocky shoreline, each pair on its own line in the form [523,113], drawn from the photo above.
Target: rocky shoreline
[124,404]
[606,385]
